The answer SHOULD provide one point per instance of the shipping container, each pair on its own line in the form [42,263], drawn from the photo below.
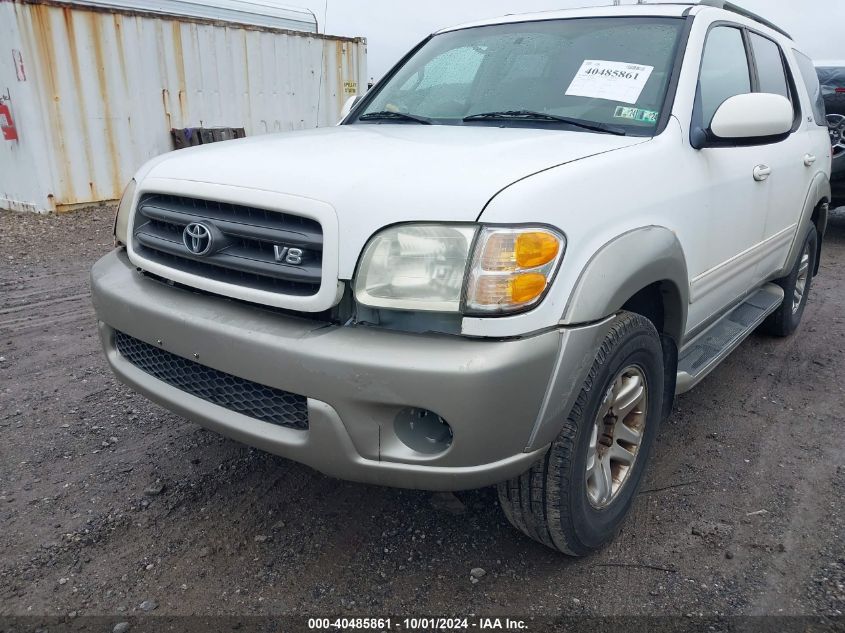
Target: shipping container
[88,92]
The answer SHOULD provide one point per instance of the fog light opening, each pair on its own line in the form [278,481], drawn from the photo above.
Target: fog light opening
[423,431]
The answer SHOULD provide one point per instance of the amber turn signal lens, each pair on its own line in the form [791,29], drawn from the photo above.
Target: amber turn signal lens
[509,290]
[536,249]
[527,287]
[512,268]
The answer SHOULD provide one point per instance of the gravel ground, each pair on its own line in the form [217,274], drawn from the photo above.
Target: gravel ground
[112,505]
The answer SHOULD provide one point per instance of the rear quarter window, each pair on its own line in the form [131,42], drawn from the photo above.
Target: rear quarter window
[811,81]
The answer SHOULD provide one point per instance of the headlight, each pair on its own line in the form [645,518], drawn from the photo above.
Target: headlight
[415,267]
[453,268]
[124,210]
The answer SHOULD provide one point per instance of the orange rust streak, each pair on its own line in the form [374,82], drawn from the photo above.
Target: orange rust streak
[180,71]
[121,54]
[104,88]
[127,90]
[165,100]
[77,89]
[44,46]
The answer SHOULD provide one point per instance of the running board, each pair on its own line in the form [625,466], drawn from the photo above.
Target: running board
[724,336]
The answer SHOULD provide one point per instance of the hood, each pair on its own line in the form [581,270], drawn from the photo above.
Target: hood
[377,175]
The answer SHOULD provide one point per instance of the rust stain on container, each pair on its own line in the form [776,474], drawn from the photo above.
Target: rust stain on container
[165,100]
[179,61]
[178,53]
[121,55]
[183,106]
[42,46]
[105,94]
[81,110]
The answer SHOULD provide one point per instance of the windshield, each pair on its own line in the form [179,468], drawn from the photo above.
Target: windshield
[609,73]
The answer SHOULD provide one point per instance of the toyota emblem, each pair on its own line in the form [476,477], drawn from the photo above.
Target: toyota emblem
[197,238]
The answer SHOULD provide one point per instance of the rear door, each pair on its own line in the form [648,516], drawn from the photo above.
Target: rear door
[790,177]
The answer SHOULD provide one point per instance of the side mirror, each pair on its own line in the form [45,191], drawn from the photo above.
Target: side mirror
[753,116]
[351,102]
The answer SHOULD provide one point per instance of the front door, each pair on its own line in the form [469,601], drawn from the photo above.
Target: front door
[731,215]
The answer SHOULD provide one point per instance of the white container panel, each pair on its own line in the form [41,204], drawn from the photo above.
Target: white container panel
[103,89]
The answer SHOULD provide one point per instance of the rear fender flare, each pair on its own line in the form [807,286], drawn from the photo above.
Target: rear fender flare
[818,193]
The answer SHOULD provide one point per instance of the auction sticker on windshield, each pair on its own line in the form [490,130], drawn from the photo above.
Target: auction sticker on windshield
[613,81]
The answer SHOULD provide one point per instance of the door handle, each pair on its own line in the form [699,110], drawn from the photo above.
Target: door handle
[809,159]
[762,172]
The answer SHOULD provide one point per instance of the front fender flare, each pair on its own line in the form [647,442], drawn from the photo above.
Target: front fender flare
[624,266]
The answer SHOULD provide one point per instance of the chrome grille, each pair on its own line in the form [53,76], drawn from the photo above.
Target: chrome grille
[252,399]
[248,248]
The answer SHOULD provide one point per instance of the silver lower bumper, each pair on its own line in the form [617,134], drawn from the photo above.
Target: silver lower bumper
[494,394]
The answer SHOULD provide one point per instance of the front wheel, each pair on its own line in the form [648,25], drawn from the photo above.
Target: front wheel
[577,497]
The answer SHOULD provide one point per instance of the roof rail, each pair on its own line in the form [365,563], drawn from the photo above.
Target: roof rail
[730,6]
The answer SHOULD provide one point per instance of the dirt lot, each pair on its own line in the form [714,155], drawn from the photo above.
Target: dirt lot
[107,501]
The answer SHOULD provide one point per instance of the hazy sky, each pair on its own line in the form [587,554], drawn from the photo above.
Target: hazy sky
[392,27]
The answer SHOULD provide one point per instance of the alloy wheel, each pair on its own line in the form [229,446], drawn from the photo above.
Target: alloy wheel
[801,281]
[617,434]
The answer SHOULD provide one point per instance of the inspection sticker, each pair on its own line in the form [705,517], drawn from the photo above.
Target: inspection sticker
[636,114]
[614,81]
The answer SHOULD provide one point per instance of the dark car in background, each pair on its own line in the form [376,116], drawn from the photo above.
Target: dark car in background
[832,79]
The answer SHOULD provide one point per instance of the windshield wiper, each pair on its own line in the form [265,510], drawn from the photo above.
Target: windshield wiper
[529,115]
[388,115]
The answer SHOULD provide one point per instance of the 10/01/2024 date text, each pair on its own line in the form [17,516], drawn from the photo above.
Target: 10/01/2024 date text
[416,624]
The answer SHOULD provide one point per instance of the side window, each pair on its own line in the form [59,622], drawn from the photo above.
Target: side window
[724,70]
[814,88]
[770,69]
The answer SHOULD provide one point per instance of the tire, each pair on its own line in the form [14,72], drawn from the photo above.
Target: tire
[557,502]
[786,319]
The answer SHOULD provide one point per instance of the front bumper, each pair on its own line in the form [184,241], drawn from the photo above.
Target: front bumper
[496,395]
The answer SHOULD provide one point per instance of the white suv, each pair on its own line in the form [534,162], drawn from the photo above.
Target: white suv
[500,268]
